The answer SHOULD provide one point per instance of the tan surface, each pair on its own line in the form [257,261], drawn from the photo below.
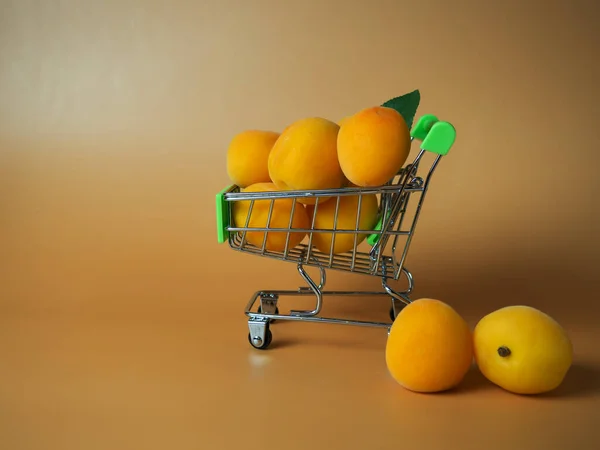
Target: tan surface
[121,320]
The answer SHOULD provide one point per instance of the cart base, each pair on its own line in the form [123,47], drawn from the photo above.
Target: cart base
[260,335]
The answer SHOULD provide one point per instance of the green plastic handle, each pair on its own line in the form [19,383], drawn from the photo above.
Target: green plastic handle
[436,136]
[222,216]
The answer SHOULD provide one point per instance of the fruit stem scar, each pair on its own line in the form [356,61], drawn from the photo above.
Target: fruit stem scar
[503,351]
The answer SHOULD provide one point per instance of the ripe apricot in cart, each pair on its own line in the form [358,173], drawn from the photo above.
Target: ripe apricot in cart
[347,210]
[248,155]
[280,218]
[305,157]
[373,144]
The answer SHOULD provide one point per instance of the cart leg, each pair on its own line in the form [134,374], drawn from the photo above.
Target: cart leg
[399,299]
[397,306]
[317,290]
[268,304]
[260,336]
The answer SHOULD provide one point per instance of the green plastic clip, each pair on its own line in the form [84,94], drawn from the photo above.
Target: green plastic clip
[222,216]
[435,135]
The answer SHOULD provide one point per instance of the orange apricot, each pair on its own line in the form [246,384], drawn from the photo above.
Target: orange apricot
[324,218]
[373,144]
[305,157]
[429,347]
[280,218]
[247,157]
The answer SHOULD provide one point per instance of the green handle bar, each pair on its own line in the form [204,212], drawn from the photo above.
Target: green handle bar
[436,137]
[223,215]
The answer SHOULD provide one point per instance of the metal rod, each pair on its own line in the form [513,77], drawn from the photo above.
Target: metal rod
[356,228]
[247,222]
[311,231]
[318,230]
[267,195]
[418,211]
[323,320]
[335,220]
[290,223]
[264,244]
[315,289]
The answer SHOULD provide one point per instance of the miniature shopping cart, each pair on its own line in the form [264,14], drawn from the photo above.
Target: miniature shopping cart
[379,252]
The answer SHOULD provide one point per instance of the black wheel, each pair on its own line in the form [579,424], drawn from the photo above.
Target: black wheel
[262,345]
[276,312]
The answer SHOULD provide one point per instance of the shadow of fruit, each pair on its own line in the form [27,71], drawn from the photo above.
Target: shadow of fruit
[582,380]
[305,157]
[280,218]
[373,145]
[248,155]
[522,350]
[346,220]
[429,348]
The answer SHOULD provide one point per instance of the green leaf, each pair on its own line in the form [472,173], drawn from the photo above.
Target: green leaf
[406,105]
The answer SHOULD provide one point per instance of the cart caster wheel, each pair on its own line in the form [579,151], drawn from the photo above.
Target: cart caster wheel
[258,343]
[276,312]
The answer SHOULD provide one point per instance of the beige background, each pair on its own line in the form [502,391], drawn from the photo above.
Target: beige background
[121,318]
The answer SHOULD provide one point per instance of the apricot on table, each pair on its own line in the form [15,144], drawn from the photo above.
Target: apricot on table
[430,347]
[522,350]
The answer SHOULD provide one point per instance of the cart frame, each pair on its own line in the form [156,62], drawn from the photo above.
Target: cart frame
[436,137]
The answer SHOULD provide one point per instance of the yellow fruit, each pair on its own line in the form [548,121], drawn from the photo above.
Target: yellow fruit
[347,211]
[522,350]
[429,348]
[373,145]
[305,157]
[247,157]
[280,217]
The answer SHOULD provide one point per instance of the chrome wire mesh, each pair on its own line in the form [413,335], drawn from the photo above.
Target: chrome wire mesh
[384,258]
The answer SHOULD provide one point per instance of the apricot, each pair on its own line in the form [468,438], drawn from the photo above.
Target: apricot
[247,157]
[346,219]
[429,347]
[373,145]
[522,350]
[280,218]
[305,157]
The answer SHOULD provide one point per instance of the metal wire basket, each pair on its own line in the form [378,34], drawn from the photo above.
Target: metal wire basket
[378,251]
